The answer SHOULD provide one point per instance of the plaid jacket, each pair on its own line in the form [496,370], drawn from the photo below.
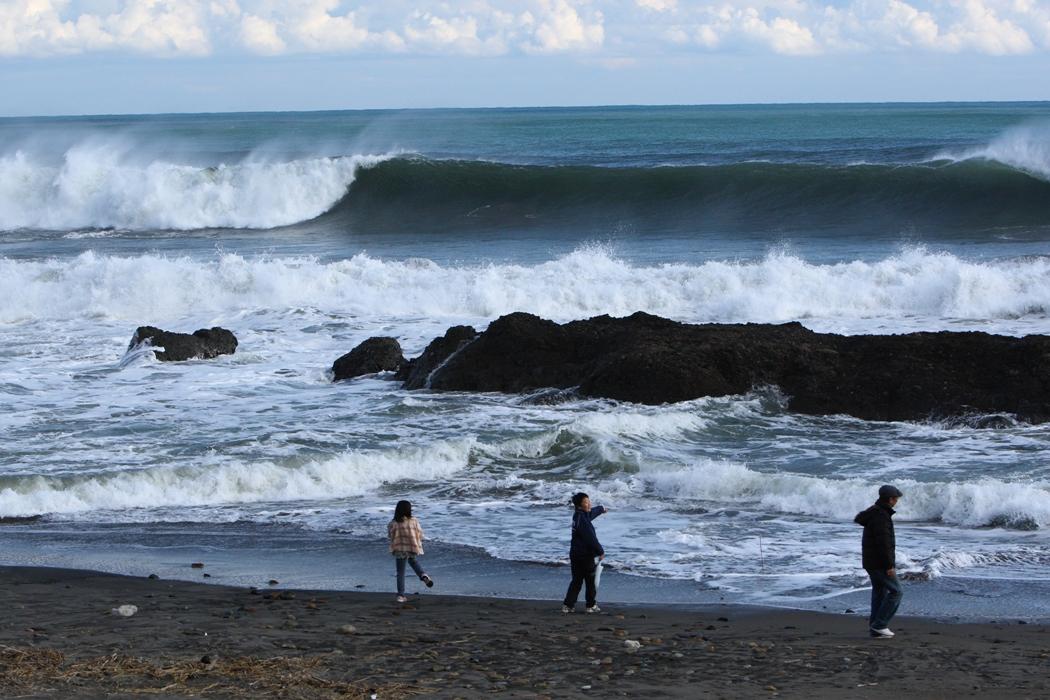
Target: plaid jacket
[406,536]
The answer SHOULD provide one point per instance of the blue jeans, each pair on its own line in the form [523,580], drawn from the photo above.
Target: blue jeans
[401,572]
[886,593]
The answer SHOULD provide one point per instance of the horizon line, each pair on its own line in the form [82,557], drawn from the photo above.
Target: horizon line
[624,105]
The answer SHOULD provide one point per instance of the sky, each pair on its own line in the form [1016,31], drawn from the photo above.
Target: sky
[149,56]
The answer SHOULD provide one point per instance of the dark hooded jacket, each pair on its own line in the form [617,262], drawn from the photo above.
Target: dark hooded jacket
[584,539]
[879,544]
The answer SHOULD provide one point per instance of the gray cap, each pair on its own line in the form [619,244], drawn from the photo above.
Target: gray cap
[888,491]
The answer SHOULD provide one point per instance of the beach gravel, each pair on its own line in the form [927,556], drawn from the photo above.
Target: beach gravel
[200,640]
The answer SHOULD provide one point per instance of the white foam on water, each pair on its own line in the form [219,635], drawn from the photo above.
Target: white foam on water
[914,289]
[229,482]
[974,503]
[1030,558]
[603,428]
[100,184]
[1025,147]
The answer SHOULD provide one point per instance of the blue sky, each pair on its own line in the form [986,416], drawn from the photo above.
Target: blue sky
[120,56]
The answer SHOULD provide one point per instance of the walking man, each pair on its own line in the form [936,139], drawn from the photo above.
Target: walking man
[879,554]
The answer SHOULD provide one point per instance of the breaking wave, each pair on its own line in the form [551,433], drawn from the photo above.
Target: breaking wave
[349,474]
[100,186]
[780,287]
[981,503]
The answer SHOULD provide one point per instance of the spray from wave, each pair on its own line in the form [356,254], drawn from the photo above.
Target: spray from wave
[1025,147]
[102,185]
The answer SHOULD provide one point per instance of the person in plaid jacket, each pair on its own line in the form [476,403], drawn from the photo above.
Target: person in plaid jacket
[406,543]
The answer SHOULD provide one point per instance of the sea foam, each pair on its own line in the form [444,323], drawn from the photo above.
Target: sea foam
[975,503]
[910,288]
[99,185]
[230,482]
[1025,147]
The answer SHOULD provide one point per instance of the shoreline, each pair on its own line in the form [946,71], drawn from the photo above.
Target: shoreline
[243,556]
[223,641]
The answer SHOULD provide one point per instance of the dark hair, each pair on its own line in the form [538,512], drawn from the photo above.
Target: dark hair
[402,511]
[577,498]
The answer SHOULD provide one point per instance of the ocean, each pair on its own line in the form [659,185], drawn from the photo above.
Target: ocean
[306,233]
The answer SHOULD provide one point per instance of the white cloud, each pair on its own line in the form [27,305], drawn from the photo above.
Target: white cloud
[160,27]
[657,5]
[708,36]
[260,35]
[319,30]
[595,28]
[560,27]
[783,35]
[460,34]
[909,26]
[982,28]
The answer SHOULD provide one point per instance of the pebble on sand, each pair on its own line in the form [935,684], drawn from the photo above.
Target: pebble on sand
[125,610]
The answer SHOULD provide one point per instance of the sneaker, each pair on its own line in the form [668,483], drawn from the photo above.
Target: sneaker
[566,609]
[881,633]
[596,609]
[427,580]
[402,599]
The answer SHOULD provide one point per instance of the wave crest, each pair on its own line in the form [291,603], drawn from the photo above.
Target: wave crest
[1025,147]
[980,503]
[916,284]
[99,186]
[349,474]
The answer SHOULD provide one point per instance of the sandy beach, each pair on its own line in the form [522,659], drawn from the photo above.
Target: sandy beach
[62,638]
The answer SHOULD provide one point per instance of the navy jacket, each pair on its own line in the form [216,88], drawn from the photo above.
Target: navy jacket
[584,539]
[879,544]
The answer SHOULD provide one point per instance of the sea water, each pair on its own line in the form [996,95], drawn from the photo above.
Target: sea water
[308,233]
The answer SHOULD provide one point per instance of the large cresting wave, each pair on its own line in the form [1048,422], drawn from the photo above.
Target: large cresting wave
[99,186]
[420,195]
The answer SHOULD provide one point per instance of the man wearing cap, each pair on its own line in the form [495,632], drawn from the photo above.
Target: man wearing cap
[878,548]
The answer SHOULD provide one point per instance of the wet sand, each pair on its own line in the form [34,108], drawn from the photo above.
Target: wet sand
[60,638]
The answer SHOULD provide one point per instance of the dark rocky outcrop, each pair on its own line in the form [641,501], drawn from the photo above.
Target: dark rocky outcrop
[651,360]
[201,344]
[379,354]
[416,372]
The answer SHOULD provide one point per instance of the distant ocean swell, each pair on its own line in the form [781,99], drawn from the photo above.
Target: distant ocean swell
[95,188]
[590,281]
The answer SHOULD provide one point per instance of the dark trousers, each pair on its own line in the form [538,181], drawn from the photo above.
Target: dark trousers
[401,572]
[886,593]
[583,569]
